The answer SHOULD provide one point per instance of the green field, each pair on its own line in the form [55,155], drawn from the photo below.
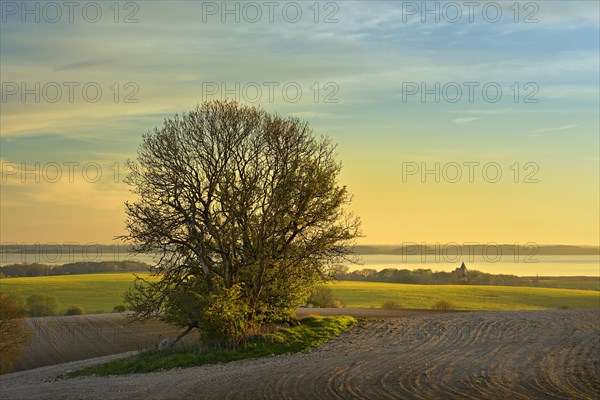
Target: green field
[94,292]
[589,283]
[464,297]
[102,292]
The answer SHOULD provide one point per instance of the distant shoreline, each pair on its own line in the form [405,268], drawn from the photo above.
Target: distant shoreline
[479,248]
[401,249]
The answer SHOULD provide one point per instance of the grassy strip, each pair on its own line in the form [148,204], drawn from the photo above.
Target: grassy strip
[312,332]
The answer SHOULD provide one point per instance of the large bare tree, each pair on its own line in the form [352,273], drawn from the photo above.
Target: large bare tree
[245,212]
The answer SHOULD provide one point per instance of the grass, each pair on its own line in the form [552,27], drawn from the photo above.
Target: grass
[464,297]
[92,292]
[589,283]
[95,292]
[312,332]
[392,305]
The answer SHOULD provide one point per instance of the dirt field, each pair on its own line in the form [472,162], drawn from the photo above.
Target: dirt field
[61,339]
[477,355]
[58,340]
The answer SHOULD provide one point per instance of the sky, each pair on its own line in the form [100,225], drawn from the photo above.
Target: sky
[456,122]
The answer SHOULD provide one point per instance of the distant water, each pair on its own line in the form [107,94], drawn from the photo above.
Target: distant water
[543,265]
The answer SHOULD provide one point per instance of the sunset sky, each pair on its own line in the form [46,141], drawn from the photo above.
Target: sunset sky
[398,91]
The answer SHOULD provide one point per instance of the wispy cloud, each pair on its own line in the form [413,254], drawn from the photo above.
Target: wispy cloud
[556,128]
[465,120]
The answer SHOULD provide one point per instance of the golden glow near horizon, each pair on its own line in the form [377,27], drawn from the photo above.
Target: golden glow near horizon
[431,149]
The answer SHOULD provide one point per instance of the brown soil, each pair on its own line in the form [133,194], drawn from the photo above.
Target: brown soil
[61,339]
[476,355]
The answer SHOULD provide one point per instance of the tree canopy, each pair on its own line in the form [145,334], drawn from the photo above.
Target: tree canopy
[247,215]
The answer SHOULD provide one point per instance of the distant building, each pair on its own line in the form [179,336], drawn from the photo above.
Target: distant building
[461,272]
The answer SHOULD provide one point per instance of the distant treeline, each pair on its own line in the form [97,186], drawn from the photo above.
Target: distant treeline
[428,277]
[84,267]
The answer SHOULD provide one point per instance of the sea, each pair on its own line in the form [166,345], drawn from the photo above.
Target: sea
[542,265]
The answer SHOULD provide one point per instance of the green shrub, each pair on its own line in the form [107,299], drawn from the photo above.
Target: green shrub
[336,303]
[120,308]
[322,297]
[222,316]
[39,305]
[74,310]
[392,305]
[443,305]
[226,316]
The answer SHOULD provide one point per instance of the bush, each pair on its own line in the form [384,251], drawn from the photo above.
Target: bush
[14,334]
[74,310]
[322,297]
[39,305]
[564,307]
[120,308]
[336,303]
[224,319]
[392,305]
[443,305]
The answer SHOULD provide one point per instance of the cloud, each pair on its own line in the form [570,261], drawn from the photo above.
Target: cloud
[82,65]
[465,120]
[557,128]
